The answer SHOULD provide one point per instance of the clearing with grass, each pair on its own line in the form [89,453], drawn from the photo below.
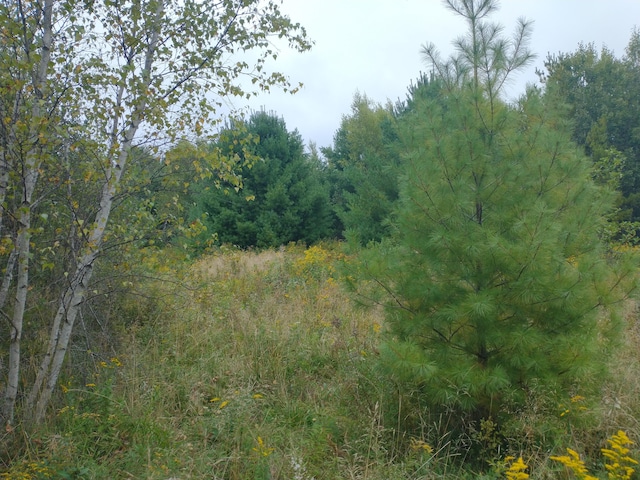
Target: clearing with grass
[448,292]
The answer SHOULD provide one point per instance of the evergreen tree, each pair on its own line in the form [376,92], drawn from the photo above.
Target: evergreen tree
[364,170]
[496,278]
[283,198]
[603,93]
[424,86]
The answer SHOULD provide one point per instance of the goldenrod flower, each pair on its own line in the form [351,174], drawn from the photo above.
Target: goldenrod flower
[573,462]
[517,469]
[619,463]
[420,445]
[262,449]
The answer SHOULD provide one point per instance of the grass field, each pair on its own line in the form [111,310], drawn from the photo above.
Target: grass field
[258,365]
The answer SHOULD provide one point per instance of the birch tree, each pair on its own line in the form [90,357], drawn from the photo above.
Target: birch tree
[27,43]
[130,72]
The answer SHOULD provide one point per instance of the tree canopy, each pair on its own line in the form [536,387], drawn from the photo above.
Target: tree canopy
[603,93]
[283,197]
[363,169]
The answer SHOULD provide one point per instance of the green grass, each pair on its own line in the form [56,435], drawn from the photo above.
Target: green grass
[260,367]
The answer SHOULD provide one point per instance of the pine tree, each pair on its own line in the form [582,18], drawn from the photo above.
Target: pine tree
[364,170]
[283,198]
[496,278]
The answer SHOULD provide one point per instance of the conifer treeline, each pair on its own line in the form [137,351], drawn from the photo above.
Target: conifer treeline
[293,194]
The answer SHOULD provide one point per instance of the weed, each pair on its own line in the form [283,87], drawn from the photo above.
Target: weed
[618,463]
[262,367]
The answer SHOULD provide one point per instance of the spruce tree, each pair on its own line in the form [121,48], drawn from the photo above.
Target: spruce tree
[283,198]
[496,278]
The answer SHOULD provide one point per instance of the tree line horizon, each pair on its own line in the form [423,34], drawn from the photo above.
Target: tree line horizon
[361,168]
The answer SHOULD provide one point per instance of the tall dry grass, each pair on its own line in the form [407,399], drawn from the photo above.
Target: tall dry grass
[258,365]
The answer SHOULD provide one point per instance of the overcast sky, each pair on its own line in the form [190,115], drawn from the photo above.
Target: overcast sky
[373,47]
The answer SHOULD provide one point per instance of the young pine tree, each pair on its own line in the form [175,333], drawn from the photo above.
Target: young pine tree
[496,277]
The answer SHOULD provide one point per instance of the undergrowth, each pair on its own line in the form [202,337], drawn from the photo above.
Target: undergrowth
[257,365]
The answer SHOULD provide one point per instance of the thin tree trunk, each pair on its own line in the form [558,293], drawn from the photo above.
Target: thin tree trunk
[30,179]
[4,185]
[8,277]
[13,376]
[74,295]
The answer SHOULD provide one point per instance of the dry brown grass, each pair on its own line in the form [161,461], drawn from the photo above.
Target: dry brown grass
[621,397]
[238,263]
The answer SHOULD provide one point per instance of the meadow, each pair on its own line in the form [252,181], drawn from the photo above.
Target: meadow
[260,365]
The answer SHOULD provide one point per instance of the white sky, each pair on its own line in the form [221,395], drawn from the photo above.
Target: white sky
[373,47]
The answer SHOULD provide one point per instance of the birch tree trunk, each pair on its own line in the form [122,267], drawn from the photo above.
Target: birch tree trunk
[22,247]
[73,296]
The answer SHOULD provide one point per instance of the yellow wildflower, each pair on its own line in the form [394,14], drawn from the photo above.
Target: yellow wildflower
[262,449]
[420,445]
[517,469]
[619,464]
[573,463]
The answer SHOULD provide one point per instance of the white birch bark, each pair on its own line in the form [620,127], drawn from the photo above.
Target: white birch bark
[30,179]
[73,296]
